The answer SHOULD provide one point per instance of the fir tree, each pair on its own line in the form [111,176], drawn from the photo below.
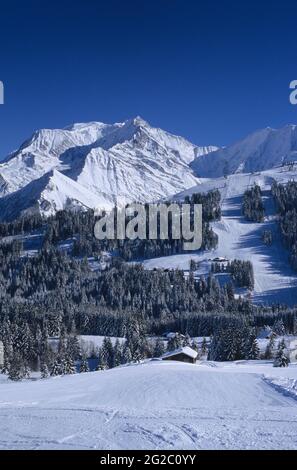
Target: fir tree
[8,356]
[279,328]
[269,348]
[26,370]
[102,361]
[127,355]
[84,366]
[68,365]
[117,353]
[175,342]
[159,348]
[44,372]
[254,352]
[281,358]
[16,370]
[73,347]
[56,367]
[107,353]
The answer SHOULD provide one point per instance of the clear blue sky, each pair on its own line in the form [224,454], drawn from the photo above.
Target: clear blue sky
[212,71]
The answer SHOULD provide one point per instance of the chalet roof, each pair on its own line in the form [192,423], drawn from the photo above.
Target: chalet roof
[184,350]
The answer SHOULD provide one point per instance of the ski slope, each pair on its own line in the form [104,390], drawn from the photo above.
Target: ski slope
[155,405]
[275,281]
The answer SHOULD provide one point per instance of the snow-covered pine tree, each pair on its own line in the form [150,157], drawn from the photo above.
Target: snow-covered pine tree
[279,328]
[230,345]
[175,342]
[269,348]
[26,370]
[281,358]
[214,352]
[193,265]
[8,356]
[253,351]
[252,205]
[44,372]
[73,347]
[127,355]
[56,368]
[267,237]
[268,352]
[187,340]
[194,346]
[84,366]
[68,365]
[16,371]
[102,361]
[107,353]
[62,343]
[117,353]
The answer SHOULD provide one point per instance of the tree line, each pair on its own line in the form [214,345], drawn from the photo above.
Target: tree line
[252,204]
[285,197]
[241,271]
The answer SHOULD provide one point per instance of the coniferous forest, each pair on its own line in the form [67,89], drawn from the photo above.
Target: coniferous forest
[252,206]
[285,197]
[56,293]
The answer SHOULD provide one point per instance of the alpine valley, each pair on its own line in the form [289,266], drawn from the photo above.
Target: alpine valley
[125,344]
[96,165]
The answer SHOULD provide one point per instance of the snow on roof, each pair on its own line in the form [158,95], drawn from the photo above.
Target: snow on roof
[184,350]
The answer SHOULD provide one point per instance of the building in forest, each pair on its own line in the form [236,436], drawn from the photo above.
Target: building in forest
[184,354]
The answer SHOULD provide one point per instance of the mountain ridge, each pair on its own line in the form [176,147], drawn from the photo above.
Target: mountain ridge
[99,165]
[258,151]
[116,163]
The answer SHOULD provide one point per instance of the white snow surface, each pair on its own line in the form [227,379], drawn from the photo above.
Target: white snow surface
[96,165]
[259,151]
[154,405]
[275,281]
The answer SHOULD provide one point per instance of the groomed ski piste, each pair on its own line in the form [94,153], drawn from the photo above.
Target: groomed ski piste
[154,405]
[275,281]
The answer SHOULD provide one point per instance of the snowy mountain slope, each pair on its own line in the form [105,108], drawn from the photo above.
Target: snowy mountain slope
[275,281]
[259,151]
[41,153]
[122,162]
[156,405]
[48,194]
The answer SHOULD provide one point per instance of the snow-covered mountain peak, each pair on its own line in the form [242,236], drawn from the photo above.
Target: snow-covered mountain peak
[137,121]
[97,165]
[260,150]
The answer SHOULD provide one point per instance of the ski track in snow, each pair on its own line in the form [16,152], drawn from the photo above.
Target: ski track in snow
[230,406]
[275,281]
